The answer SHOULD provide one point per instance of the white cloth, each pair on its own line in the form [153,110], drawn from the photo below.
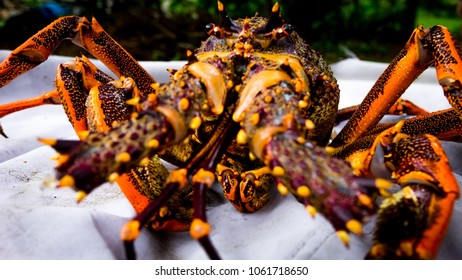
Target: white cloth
[41,222]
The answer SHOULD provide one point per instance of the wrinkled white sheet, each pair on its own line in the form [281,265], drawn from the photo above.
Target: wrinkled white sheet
[40,222]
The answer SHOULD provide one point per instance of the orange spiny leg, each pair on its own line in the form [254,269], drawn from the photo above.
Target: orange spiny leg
[413,221]
[401,106]
[144,185]
[445,125]
[171,208]
[89,35]
[176,182]
[74,80]
[37,49]
[448,64]
[30,54]
[130,231]
[50,97]
[96,41]
[204,161]
[426,46]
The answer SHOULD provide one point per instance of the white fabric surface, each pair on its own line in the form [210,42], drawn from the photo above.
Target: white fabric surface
[41,222]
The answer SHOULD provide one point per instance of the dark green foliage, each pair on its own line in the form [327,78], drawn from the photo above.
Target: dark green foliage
[163,30]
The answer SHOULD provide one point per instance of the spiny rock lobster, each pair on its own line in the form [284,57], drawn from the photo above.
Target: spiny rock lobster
[253,108]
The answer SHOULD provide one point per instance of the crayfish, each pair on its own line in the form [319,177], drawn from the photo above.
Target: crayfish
[253,109]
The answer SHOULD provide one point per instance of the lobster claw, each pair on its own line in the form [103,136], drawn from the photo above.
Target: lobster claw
[412,222]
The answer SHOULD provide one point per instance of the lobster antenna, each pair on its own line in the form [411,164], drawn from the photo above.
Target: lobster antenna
[226,22]
[274,21]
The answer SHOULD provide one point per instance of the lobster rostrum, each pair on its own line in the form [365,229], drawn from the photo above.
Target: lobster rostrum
[253,108]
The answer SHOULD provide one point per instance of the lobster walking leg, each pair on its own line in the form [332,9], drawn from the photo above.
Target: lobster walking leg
[420,211]
[200,229]
[50,97]
[201,181]
[402,106]
[130,231]
[89,35]
[91,99]
[37,49]
[445,125]
[425,47]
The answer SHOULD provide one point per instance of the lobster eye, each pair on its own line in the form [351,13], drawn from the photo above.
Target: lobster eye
[214,30]
[288,28]
[209,27]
